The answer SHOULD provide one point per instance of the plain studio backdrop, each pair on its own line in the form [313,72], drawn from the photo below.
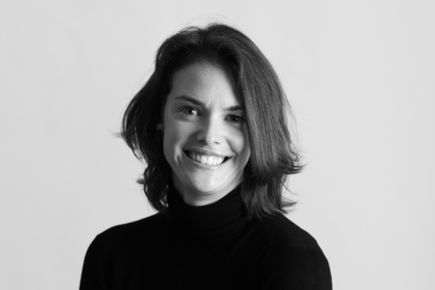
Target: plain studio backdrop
[360,76]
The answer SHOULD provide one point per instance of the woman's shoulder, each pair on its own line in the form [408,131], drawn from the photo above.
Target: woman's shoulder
[120,247]
[295,258]
[142,229]
[282,232]
[288,240]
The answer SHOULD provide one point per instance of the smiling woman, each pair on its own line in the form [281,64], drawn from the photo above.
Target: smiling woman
[211,125]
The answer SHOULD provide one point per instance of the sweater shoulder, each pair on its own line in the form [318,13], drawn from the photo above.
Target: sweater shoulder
[295,260]
[282,232]
[114,250]
[142,229]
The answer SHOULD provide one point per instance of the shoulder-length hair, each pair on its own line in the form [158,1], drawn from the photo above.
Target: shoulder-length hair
[257,85]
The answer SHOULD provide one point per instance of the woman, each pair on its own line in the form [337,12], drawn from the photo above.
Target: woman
[211,125]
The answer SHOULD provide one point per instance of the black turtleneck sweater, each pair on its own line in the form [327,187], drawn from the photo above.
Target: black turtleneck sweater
[207,247]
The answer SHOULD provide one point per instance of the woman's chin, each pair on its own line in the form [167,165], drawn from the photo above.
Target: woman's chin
[203,191]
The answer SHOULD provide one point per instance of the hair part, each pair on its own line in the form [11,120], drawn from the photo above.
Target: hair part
[272,157]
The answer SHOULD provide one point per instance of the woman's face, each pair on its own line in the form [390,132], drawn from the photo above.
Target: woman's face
[205,139]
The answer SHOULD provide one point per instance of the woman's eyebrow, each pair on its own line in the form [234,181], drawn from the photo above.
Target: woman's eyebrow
[235,108]
[189,99]
[199,103]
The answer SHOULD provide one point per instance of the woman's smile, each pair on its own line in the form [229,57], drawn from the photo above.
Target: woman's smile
[206,160]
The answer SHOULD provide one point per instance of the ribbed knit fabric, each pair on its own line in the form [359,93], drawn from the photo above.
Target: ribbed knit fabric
[207,247]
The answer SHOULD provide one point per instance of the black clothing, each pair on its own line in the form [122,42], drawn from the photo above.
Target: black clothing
[207,247]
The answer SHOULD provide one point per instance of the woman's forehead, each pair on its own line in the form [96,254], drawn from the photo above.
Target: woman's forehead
[204,83]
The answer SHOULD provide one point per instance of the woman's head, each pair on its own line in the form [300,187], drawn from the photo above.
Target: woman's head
[205,137]
[212,83]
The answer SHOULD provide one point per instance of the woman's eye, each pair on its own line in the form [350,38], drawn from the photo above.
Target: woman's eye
[235,119]
[189,110]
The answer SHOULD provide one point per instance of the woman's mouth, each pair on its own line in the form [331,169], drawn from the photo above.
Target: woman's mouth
[206,160]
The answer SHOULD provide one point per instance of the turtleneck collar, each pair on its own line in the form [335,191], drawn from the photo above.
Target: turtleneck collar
[215,216]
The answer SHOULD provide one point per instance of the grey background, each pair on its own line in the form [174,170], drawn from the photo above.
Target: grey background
[359,75]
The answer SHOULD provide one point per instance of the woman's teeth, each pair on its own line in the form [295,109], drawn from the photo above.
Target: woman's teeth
[207,160]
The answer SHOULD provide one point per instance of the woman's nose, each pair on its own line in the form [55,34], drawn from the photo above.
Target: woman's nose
[210,131]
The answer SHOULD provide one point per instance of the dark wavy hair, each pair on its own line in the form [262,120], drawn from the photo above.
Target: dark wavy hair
[257,85]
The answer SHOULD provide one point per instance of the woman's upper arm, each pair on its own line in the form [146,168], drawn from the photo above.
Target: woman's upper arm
[94,271]
[300,269]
